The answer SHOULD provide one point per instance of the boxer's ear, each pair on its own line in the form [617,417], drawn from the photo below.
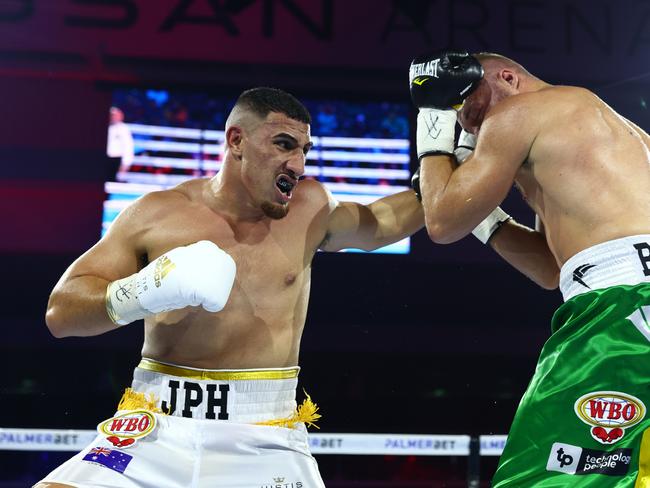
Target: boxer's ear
[509,77]
[234,138]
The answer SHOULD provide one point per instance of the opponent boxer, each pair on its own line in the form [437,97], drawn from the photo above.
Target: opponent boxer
[220,271]
[585,171]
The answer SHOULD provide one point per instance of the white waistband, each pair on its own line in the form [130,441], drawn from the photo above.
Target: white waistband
[246,396]
[624,261]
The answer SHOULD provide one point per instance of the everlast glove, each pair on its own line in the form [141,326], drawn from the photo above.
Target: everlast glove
[439,84]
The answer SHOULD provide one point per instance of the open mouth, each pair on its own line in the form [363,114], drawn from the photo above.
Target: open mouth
[285,184]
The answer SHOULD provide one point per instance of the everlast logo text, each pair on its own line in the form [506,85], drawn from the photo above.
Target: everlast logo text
[196,395]
[424,69]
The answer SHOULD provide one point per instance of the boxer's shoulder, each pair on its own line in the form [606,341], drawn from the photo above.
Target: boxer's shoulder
[192,190]
[310,192]
[559,107]
[151,209]
[552,97]
[521,103]
[536,109]
[515,112]
[187,193]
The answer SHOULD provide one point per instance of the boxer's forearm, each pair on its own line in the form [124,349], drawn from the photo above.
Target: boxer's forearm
[446,219]
[398,216]
[527,251]
[457,199]
[77,307]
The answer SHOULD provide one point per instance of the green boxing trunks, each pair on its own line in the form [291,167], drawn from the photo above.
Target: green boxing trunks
[583,421]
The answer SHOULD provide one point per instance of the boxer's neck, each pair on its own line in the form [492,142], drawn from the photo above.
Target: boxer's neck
[225,195]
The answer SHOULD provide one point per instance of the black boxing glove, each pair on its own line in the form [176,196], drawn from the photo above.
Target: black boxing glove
[439,84]
[444,79]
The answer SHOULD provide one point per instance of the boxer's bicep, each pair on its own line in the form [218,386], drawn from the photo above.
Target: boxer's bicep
[344,226]
[348,225]
[368,227]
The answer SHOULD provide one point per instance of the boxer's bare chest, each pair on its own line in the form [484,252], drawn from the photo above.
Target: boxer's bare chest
[272,256]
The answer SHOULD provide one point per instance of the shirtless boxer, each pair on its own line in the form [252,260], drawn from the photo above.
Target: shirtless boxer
[585,171]
[220,271]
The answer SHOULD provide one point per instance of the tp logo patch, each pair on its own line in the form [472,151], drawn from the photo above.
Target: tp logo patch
[609,413]
[575,460]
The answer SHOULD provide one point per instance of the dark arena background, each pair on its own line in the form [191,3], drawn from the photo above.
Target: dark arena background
[427,347]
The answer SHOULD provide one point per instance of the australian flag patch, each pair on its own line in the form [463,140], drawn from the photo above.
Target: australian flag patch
[109,458]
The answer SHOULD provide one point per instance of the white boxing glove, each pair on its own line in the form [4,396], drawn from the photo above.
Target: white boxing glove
[197,274]
[435,131]
[489,225]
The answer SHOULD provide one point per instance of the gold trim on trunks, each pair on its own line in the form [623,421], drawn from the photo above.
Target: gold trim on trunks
[307,413]
[218,374]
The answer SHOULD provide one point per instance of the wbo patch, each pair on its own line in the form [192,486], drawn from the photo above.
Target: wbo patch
[123,430]
[609,413]
[109,458]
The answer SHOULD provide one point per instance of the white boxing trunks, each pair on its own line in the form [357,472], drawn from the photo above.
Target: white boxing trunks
[622,261]
[222,428]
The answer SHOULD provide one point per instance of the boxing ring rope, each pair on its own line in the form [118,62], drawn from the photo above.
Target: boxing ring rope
[16,439]
[473,447]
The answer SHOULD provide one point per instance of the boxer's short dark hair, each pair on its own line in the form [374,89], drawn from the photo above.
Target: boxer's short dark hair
[263,100]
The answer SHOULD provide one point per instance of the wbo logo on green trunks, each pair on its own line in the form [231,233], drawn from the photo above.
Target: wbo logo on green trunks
[609,413]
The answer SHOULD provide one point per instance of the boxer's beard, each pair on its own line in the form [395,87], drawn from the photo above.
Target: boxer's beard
[275,211]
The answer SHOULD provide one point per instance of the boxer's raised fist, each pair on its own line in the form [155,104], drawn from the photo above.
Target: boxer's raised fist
[196,274]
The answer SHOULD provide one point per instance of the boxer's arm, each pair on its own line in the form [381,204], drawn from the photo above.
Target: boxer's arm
[77,304]
[527,251]
[457,199]
[368,227]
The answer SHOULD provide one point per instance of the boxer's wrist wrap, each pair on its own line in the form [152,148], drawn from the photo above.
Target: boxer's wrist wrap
[435,131]
[122,304]
[490,224]
[465,146]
